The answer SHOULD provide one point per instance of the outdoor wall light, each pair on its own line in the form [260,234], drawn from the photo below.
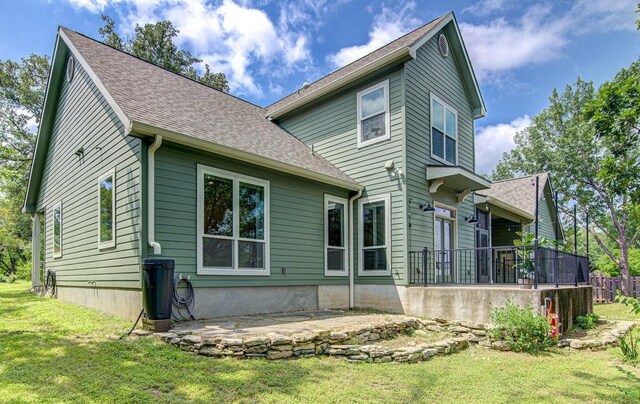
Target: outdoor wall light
[80,152]
[427,207]
[471,219]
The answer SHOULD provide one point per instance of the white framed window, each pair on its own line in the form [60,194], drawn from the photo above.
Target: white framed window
[444,132]
[335,236]
[57,230]
[233,223]
[373,114]
[374,258]
[444,236]
[107,210]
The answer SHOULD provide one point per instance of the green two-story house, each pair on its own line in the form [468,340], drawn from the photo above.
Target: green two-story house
[333,197]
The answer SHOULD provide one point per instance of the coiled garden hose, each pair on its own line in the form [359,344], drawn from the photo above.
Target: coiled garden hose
[185,300]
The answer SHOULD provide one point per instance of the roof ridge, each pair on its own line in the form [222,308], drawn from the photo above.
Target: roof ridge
[520,178]
[360,58]
[160,67]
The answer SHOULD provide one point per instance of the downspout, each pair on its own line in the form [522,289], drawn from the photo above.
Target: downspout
[151,203]
[352,287]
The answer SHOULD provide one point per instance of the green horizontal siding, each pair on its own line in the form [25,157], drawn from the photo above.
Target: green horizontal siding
[431,73]
[83,119]
[331,127]
[296,226]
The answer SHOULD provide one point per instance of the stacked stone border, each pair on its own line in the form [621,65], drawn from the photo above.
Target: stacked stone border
[355,344]
[609,339]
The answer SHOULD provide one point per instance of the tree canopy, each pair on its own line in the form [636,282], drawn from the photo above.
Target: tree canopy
[588,141]
[154,43]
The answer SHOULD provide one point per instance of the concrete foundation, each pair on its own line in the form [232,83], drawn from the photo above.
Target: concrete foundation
[125,303]
[333,297]
[471,303]
[224,302]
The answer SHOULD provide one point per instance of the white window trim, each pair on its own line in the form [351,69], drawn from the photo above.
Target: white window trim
[455,112]
[387,115]
[236,178]
[102,245]
[53,230]
[386,198]
[327,199]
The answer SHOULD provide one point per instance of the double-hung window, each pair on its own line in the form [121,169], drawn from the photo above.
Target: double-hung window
[57,230]
[373,114]
[375,235]
[335,236]
[233,223]
[107,210]
[444,132]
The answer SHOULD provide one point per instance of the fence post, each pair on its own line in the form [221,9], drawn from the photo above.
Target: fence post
[535,245]
[556,261]
[425,252]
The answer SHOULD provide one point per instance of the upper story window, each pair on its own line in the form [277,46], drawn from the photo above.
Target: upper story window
[373,114]
[444,132]
[233,223]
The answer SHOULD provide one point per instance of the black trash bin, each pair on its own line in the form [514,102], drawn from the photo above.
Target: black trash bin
[158,287]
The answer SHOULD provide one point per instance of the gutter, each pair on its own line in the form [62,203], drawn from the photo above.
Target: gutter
[352,286]
[151,203]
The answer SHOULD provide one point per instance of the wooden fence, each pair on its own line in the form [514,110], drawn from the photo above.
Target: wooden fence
[604,287]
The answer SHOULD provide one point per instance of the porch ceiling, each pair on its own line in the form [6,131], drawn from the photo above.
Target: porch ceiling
[455,178]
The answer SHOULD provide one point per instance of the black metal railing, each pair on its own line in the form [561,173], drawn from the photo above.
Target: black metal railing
[497,265]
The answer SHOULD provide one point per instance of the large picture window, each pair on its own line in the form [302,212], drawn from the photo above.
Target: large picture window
[335,239]
[57,230]
[444,132]
[233,225]
[375,236]
[107,210]
[373,114]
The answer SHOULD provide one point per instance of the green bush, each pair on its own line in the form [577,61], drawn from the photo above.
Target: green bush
[629,301]
[586,322]
[521,328]
[7,278]
[630,346]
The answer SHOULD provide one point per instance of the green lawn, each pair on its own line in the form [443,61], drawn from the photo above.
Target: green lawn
[615,311]
[52,351]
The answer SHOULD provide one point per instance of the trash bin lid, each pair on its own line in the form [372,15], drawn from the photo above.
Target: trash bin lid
[158,263]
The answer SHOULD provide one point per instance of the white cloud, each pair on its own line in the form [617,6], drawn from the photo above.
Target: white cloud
[230,36]
[539,35]
[494,140]
[387,26]
[486,7]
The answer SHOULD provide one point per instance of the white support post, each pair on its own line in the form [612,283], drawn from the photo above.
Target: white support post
[35,253]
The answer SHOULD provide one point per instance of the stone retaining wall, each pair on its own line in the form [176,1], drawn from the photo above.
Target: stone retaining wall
[356,344]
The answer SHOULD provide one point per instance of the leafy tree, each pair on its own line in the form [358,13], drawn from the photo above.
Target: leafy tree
[22,87]
[588,142]
[154,43]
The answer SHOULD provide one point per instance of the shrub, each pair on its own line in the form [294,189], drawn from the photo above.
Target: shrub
[630,346]
[521,328]
[7,278]
[587,322]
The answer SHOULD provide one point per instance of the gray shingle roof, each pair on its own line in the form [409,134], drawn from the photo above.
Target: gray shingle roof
[153,96]
[404,41]
[518,192]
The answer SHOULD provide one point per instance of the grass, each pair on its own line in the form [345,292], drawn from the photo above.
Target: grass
[51,351]
[615,311]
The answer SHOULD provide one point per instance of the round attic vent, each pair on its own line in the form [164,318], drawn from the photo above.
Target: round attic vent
[443,45]
[71,63]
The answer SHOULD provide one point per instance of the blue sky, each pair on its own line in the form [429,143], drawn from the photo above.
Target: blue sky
[520,50]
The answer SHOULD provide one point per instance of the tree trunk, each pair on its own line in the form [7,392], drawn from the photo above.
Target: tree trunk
[624,267]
